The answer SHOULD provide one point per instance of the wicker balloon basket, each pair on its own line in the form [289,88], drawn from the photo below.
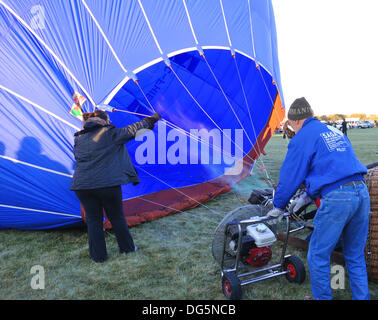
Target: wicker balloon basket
[371,249]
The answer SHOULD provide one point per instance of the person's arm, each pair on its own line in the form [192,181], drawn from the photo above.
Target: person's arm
[124,134]
[292,174]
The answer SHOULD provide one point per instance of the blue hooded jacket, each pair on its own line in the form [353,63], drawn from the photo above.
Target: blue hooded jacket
[321,157]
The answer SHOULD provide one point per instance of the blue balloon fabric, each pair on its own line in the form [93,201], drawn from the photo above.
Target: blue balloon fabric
[210,68]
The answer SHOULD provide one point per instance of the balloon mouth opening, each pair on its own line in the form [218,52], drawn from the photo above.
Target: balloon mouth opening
[221,103]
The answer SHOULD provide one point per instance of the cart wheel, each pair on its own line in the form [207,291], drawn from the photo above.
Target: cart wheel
[231,286]
[297,269]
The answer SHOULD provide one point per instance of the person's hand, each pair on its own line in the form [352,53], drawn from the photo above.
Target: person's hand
[151,120]
[276,213]
[300,203]
[155,117]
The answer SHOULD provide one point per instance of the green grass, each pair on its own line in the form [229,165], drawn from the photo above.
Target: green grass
[174,260]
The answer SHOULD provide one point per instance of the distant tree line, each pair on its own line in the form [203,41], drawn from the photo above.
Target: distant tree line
[335,117]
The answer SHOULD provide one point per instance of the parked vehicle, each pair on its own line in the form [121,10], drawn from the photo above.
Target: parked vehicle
[371,123]
[363,124]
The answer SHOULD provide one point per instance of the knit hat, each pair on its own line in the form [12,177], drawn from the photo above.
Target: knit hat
[300,109]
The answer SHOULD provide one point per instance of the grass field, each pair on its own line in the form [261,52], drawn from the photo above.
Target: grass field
[174,259]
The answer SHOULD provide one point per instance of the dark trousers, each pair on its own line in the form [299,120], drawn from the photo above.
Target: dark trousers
[110,199]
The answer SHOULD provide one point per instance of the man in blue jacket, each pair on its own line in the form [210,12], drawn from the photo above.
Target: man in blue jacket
[322,158]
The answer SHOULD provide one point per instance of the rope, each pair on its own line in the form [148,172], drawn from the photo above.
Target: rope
[253,127]
[145,97]
[180,220]
[240,198]
[212,120]
[176,189]
[225,96]
[258,67]
[196,138]
[188,133]
[172,125]
[183,131]
[177,210]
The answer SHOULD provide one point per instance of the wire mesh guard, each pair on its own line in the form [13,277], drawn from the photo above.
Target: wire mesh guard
[219,239]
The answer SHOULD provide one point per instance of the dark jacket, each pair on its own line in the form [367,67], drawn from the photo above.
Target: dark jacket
[102,159]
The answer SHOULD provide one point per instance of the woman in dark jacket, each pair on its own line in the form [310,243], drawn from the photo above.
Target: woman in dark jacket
[103,164]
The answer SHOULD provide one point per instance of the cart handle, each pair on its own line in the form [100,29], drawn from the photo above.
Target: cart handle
[258,219]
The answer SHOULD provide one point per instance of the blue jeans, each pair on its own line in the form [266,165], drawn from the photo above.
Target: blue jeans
[343,212]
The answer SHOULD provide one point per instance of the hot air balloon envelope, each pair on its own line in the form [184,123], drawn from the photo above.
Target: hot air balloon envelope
[209,68]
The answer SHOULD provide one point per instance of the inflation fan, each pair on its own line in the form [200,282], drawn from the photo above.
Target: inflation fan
[242,246]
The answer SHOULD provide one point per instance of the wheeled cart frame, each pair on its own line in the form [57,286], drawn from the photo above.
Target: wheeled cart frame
[233,279]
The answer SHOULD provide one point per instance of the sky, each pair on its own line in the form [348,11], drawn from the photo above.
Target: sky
[328,53]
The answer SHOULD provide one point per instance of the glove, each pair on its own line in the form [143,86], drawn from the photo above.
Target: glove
[300,203]
[276,213]
[152,119]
